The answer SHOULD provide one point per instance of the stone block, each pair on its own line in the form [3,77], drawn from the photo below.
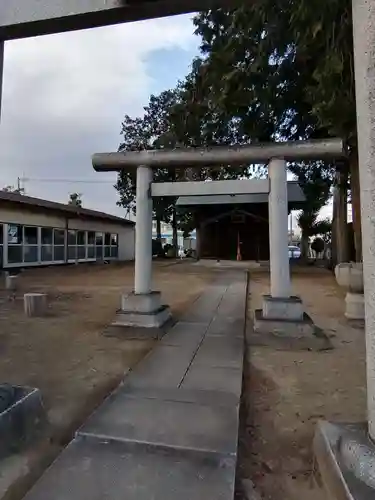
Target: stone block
[141,303]
[289,309]
[164,367]
[346,459]
[155,319]
[142,310]
[214,378]
[94,470]
[283,327]
[35,304]
[231,327]
[355,306]
[166,424]
[224,352]
[185,334]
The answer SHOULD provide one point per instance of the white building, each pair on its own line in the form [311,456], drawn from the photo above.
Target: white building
[35,232]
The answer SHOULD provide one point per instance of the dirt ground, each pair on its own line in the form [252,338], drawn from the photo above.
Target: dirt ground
[287,392]
[65,354]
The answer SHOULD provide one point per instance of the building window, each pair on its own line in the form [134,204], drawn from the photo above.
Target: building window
[47,236]
[15,254]
[15,234]
[30,235]
[91,245]
[114,246]
[72,244]
[107,245]
[72,238]
[81,245]
[59,245]
[30,244]
[30,253]
[99,246]
[47,244]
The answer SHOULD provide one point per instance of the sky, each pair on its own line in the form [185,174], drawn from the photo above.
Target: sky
[65,95]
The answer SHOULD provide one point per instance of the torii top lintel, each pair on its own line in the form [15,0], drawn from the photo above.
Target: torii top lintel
[26,18]
[328,149]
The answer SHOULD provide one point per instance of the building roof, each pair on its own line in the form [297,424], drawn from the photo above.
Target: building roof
[295,195]
[22,200]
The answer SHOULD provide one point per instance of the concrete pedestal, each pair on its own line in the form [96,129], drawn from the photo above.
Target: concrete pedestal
[355,306]
[289,309]
[142,310]
[346,459]
[283,316]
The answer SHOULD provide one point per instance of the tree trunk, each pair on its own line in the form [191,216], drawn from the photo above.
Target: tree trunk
[304,245]
[340,198]
[334,233]
[158,229]
[175,233]
[356,203]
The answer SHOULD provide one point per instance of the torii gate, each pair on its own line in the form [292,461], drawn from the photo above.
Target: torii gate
[279,305]
[25,18]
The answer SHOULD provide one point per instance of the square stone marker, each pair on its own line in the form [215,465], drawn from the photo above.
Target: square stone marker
[184,333]
[215,379]
[171,424]
[91,470]
[225,352]
[226,327]
[164,367]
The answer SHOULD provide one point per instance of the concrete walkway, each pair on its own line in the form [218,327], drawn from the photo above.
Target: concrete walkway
[170,430]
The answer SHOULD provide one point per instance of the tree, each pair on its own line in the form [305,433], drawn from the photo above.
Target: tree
[284,70]
[151,131]
[12,189]
[75,199]
[175,118]
[318,245]
[315,181]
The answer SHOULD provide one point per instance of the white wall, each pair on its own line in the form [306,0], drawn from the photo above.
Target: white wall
[27,217]
[126,243]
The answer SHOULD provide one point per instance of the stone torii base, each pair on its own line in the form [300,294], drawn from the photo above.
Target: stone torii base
[142,310]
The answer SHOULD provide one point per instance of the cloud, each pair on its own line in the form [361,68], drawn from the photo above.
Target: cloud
[65,95]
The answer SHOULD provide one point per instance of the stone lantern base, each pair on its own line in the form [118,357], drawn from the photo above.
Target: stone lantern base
[349,275]
[346,459]
[355,306]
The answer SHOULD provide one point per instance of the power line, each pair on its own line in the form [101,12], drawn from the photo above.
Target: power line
[66,181]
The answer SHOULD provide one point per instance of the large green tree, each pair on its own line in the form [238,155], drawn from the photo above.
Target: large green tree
[151,131]
[283,70]
[182,117]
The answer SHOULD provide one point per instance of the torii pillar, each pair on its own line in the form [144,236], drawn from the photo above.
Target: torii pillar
[143,307]
[281,313]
